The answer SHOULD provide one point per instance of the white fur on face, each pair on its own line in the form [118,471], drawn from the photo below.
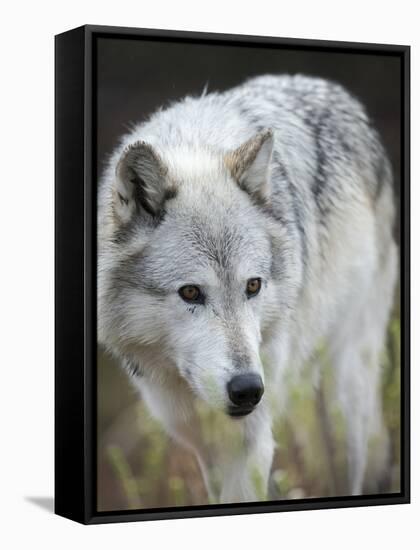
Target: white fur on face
[207,247]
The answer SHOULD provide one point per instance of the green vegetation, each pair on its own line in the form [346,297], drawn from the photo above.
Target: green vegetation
[138,466]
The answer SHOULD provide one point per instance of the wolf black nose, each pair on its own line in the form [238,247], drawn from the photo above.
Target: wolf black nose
[246,389]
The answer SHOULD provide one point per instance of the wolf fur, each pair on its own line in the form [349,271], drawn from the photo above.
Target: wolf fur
[281,178]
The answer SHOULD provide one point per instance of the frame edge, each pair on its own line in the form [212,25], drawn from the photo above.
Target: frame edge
[70,447]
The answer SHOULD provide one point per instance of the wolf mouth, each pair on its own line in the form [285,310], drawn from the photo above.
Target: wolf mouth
[238,412]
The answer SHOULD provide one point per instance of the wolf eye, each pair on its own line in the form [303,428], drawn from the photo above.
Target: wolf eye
[253,286]
[192,294]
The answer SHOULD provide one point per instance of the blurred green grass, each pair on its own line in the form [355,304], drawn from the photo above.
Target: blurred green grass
[139,466]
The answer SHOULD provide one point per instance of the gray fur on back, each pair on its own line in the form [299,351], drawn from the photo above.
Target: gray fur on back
[326,149]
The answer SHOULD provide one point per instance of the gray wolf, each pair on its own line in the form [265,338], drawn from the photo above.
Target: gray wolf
[236,232]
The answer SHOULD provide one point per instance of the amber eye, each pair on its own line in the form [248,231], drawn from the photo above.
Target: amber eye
[191,293]
[253,286]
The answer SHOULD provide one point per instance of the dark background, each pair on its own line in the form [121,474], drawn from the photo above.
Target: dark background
[137,465]
[135,77]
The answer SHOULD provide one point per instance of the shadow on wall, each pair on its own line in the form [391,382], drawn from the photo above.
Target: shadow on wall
[45,503]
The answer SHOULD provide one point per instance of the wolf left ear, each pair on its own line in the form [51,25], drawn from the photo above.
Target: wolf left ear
[249,164]
[140,183]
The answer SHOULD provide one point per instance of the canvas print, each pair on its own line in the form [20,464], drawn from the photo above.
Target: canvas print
[248,261]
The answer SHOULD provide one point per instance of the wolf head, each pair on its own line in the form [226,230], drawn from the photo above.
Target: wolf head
[193,269]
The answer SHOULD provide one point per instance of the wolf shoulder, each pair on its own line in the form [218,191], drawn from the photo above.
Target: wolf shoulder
[313,118]
[322,133]
[316,111]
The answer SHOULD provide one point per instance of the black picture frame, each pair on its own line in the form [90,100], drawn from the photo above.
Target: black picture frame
[75,275]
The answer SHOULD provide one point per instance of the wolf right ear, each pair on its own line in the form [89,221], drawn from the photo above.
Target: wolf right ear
[140,183]
[249,164]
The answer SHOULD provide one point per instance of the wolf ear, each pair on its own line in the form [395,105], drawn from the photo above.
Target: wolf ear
[249,164]
[140,182]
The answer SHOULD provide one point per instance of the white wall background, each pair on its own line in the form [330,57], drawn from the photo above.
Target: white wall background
[26,271]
